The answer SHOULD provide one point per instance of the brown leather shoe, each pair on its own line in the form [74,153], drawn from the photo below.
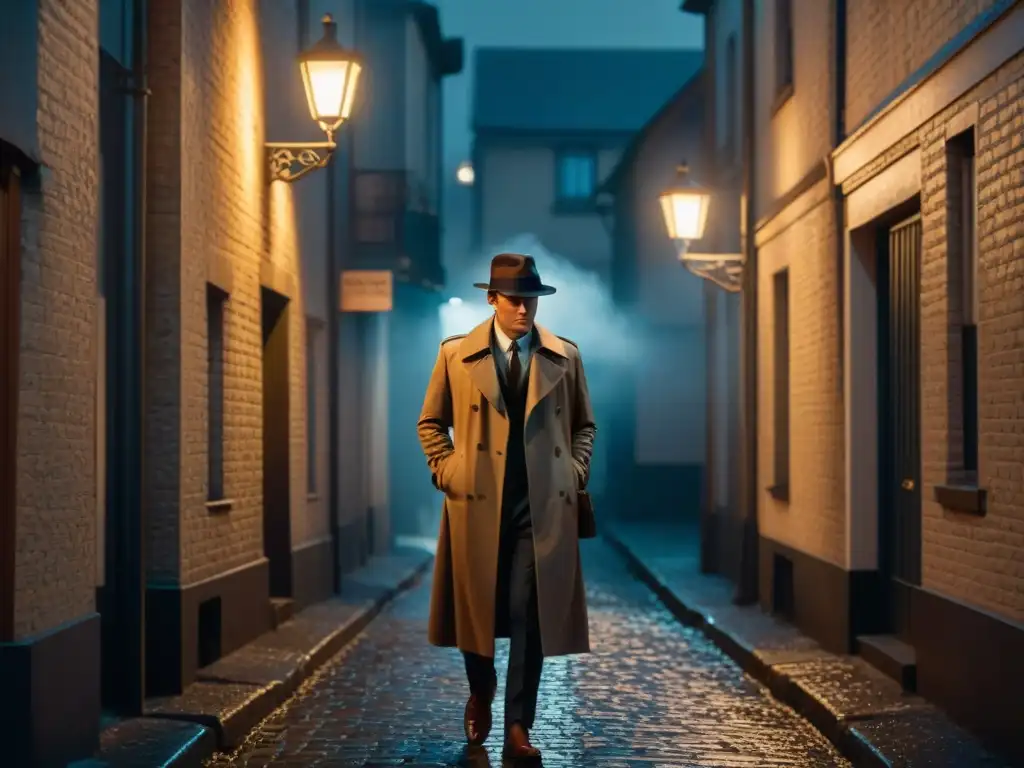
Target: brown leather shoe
[476,720]
[518,746]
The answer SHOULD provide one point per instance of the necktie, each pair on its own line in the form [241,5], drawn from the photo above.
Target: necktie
[515,367]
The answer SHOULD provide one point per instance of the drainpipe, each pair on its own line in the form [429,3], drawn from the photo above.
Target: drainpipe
[838,72]
[126,572]
[747,589]
[333,376]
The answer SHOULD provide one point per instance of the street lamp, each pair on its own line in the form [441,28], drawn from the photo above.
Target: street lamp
[685,208]
[330,74]
[465,174]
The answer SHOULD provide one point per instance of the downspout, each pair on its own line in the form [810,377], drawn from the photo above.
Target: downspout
[838,71]
[128,498]
[709,523]
[333,363]
[341,163]
[748,588]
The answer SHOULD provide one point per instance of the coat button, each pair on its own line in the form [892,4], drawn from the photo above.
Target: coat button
[475,407]
[558,451]
[480,446]
[562,494]
[499,453]
[469,497]
[558,409]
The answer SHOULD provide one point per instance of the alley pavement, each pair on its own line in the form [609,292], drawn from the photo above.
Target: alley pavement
[652,693]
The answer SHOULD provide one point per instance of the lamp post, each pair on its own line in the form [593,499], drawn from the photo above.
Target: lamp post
[685,208]
[330,74]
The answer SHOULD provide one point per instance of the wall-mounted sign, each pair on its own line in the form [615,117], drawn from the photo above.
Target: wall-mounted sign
[366,290]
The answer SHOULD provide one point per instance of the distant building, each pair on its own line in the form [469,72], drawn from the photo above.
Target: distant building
[657,436]
[394,214]
[548,125]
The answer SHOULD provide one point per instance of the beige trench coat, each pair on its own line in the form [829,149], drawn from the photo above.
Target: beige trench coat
[464,393]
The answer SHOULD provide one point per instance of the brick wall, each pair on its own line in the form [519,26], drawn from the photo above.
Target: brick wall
[813,520]
[210,205]
[977,559]
[793,138]
[56,513]
[888,41]
[163,381]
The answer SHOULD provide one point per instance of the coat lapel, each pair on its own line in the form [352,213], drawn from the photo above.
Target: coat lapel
[475,351]
[546,369]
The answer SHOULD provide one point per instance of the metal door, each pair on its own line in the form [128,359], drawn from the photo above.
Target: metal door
[900,385]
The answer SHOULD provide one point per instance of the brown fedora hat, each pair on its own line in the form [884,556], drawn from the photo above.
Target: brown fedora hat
[515,274]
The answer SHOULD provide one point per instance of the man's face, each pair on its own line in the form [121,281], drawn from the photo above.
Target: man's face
[514,313]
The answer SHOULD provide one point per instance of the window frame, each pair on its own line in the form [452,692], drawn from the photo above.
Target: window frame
[563,155]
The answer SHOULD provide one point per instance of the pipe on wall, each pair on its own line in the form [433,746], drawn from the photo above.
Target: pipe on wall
[747,590]
[124,613]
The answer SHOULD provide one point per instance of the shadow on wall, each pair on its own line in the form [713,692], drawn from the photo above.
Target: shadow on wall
[610,341]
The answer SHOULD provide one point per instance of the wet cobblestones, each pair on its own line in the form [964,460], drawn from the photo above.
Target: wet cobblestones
[653,693]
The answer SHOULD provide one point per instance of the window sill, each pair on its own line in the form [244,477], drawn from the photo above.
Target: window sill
[584,206]
[969,499]
[783,95]
[779,491]
[219,505]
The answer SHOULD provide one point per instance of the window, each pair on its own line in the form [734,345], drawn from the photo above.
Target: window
[216,300]
[780,340]
[312,335]
[576,176]
[962,250]
[730,98]
[783,48]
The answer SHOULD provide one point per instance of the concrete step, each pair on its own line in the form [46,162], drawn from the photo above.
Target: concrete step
[892,656]
[281,610]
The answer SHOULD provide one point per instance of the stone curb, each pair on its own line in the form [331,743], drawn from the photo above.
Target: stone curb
[841,732]
[226,730]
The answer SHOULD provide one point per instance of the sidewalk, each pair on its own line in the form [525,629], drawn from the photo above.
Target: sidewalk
[234,694]
[864,713]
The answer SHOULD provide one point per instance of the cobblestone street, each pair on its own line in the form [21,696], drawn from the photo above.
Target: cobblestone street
[653,693]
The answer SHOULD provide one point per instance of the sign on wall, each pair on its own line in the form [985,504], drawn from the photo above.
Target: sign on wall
[366,290]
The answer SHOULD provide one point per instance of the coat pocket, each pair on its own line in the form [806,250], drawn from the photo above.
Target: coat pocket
[452,476]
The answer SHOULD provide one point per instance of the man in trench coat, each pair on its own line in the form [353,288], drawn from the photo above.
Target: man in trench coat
[507,561]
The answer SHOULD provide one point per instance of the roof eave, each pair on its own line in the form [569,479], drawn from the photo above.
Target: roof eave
[691,87]
[701,7]
[447,55]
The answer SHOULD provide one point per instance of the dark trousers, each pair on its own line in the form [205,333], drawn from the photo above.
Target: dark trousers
[516,598]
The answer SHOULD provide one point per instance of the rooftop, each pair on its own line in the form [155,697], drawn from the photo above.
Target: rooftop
[544,89]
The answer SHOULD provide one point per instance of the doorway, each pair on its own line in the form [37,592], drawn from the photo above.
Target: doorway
[277,534]
[899,380]
[10,346]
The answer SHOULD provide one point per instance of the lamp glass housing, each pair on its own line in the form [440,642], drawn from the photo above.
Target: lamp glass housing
[330,74]
[685,211]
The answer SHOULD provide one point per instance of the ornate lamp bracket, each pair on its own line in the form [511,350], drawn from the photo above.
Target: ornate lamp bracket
[290,161]
[723,269]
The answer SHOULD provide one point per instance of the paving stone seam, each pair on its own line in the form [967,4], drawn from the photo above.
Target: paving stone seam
[851,743]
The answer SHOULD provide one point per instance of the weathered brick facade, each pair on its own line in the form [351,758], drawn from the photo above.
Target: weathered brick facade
[888,41]
[977,559]
[812,519]
[796,231]
[56,479]
[211,210]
